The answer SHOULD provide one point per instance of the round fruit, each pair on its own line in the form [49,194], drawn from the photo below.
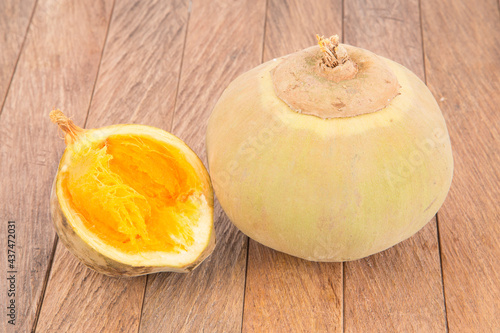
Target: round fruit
[329,154]
[131,199]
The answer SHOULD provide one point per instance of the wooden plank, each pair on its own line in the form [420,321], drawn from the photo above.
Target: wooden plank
[78,299]
[462,57]
[58,66]
[284,293]
[288,294]
[293,24]
[224,39]
[139,75]
[398,290]
[137,84]
[15,17]
[390,28]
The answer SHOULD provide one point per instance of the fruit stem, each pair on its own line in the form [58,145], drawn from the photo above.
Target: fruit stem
[334,54]
[69,128]
[336,63]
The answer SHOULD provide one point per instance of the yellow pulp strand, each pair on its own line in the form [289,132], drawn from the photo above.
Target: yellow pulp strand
[134,194]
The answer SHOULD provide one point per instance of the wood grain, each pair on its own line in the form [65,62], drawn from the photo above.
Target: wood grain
[283,293]
[462,57]
[224,39]
[389,28]
[161,56]
[400,289]
[292,25]
[78,299]
[137,83]
[288,294]
[139,74]
[14,20]
[58,66]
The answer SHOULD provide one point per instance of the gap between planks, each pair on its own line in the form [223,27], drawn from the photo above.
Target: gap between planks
[56,238]
[437,214]
[18,57]
[248,239]
[100,62]
[170,128]
[442,274]
[177,87]
[45,282]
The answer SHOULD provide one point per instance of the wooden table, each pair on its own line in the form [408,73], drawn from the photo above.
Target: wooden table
[165,63]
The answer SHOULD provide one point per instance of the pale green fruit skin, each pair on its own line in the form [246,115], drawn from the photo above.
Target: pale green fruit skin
[328,189]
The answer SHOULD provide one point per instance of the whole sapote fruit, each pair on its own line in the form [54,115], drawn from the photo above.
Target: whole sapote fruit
[329,154]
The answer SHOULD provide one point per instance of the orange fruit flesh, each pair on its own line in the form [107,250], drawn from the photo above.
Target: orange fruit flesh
[134,193]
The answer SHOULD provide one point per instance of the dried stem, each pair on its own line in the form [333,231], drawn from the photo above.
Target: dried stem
[334,54]
[69,128]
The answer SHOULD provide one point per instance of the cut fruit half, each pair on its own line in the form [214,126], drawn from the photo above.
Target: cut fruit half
[130,200]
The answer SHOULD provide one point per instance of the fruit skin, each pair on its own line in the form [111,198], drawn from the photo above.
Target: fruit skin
[101,262]
[334,189]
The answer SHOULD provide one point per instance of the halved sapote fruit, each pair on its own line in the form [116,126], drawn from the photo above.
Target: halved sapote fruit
[130,200]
